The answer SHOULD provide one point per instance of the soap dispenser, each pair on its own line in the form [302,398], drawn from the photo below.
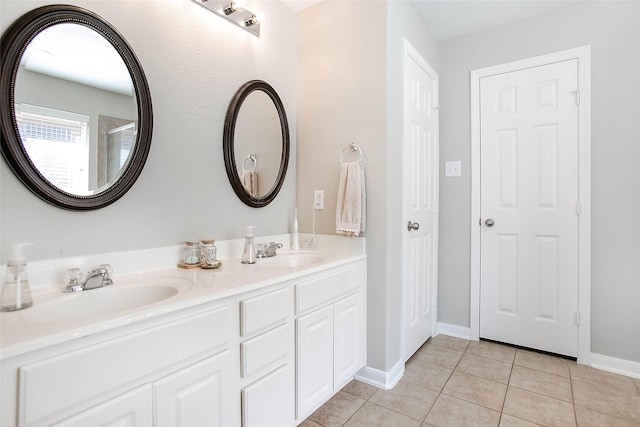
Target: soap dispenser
[16,294]
[249,252]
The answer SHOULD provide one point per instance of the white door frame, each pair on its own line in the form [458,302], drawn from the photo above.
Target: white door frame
[410,52]
[583,55]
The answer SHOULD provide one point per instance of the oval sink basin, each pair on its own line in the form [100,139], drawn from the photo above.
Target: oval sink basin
[99,302]
[293,260]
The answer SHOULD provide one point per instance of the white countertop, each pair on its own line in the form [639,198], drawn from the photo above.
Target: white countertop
[25,330]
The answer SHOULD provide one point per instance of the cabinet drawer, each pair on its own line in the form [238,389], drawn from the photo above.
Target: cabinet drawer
[65,381]
[321,290]
[265,349]
[264,310]
[269,401]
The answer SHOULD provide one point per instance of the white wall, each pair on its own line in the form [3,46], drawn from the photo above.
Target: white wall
[194,62]
[613,31]
[349,63]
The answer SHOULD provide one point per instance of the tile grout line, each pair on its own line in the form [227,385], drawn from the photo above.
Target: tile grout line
[445,383]
[360,407]
[573,398]
[513,361]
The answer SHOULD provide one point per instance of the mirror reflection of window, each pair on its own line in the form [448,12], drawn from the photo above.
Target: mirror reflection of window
[58,145]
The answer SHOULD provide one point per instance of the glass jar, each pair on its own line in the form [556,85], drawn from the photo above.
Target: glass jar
[208,251]
[191,253]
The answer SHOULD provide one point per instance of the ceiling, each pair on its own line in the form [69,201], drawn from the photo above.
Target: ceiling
[78,54]
[452,18]
[447,19]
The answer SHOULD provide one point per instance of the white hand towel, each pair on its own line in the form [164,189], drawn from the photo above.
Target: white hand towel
[250,182]
[352,207]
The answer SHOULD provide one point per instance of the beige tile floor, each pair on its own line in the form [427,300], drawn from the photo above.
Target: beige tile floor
[455,382]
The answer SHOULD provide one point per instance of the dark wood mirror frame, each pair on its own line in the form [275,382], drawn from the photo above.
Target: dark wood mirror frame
[12,46]
[229,149]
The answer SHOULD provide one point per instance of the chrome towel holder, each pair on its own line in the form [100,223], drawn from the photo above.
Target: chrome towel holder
[250,157]
[353,147]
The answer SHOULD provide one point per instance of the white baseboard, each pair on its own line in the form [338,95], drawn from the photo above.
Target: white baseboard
[385,380]
[598,361]
[615,365]
[454,330]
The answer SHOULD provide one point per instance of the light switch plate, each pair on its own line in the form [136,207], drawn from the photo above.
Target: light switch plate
[453,168]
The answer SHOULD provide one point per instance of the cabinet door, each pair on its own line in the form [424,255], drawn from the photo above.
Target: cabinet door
[198,395]
[348,339]
[131,409]
[314,359]
[268,402]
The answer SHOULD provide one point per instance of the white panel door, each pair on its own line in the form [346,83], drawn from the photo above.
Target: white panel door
[420,195]
[314,360]
[198,395]
[268,402]
[131,409]
[529,196]
[348,339]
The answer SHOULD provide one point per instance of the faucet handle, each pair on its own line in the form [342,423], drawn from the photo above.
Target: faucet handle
[72,279]
[72,276]
[108,270]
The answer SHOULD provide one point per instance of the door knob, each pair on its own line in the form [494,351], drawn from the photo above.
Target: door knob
[413,226]
[489,222]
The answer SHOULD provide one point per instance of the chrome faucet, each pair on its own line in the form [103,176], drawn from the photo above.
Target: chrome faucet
[96,278]
[267,250]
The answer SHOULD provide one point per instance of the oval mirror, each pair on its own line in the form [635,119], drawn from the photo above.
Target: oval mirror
[256,143]
[76,108]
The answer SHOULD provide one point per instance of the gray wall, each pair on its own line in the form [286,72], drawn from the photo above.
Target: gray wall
[194,61]
[613,31]
[350,89]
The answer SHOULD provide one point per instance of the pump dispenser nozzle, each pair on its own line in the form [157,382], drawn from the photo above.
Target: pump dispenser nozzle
[249,252]
[16,294]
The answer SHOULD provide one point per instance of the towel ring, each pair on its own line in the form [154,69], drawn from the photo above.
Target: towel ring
[251,157]
[354,147]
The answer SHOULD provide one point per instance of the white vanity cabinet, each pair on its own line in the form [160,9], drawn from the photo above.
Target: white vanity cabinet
[263,354]
[193,396]
[330,341]
[163,373]
[267,358]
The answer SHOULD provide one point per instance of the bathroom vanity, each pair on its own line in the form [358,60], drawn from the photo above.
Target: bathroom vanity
[243,345]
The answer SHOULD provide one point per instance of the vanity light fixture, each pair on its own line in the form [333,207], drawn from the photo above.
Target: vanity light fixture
[251,21]
[229,9]
[234,12]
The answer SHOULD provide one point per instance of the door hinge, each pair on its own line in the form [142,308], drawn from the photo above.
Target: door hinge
[578,208]
[577,318]
[577,97]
